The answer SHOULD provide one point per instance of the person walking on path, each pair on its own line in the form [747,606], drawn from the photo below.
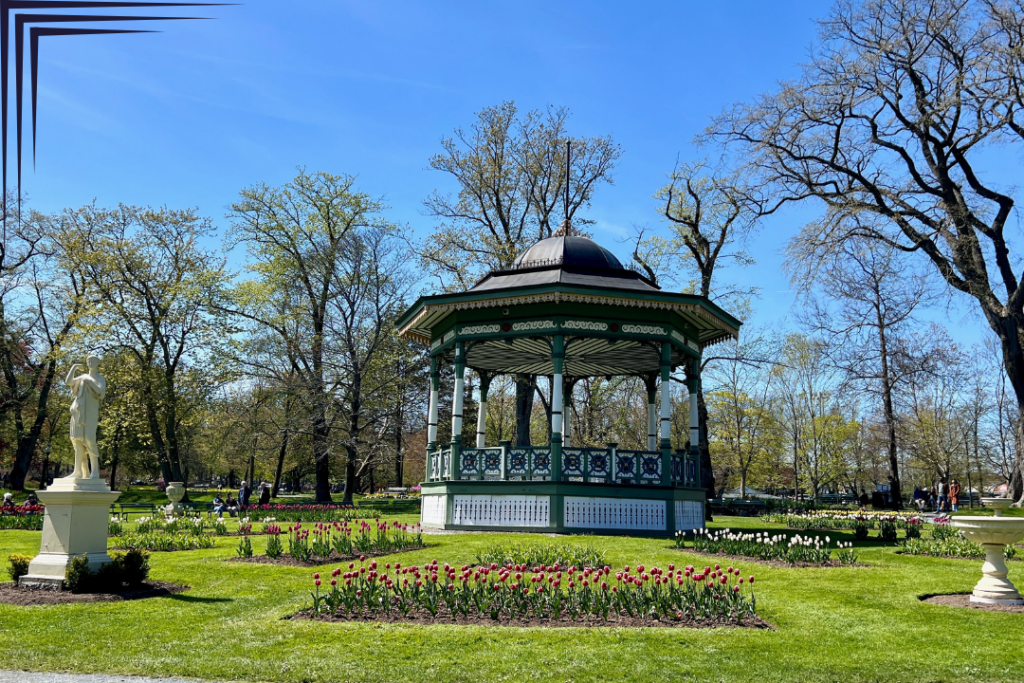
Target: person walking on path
[954,495]
[941,491]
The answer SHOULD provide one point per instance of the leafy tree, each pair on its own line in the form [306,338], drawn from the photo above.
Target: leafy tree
[325,286]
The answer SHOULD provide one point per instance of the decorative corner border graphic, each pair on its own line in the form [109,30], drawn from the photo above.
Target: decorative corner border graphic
[23,20]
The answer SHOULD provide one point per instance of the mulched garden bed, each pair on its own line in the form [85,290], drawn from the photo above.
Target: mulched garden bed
[10,594]
[287,560]
[445,617]
[770,563]
[964,600]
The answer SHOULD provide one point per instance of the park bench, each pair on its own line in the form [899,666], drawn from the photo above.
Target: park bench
[124,510]
[746,508]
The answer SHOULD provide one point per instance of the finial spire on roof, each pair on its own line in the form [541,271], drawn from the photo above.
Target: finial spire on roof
[565,230]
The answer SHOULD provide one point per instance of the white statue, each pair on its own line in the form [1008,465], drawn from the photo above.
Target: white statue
[88,390]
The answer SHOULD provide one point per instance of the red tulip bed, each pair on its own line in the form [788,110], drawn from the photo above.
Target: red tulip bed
[518,595]
[326,542]
[23,518]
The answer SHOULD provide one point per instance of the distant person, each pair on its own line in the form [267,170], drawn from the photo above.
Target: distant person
[264,494]
[231,505]
[954,495]
[31,499]
[8,504]
[941,495]
[219,505]
[7,480]
[244,493]
[863,500]
[918,499]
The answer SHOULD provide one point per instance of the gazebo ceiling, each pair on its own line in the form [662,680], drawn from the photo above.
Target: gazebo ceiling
[584,356]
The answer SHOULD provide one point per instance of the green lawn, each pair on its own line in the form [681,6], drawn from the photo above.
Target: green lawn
[850,624]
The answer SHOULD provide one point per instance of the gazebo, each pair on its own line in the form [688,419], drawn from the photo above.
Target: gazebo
[566,309]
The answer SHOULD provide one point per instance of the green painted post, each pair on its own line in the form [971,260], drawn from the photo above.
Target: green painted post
[666,415]
[695,422]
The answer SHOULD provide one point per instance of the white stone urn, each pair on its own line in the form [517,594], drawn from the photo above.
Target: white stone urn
[993,534]
[997,504]
[175,492]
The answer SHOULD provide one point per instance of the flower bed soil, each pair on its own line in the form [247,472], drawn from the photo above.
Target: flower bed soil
[444,616]
[771,563]
[287,560]
[10,594]
[964,600]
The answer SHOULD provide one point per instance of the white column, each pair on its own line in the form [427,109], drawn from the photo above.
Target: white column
[457,399]
[481,423]
[432,413]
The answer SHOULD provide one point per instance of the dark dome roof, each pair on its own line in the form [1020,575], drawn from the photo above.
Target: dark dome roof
[568,252]
[568,260]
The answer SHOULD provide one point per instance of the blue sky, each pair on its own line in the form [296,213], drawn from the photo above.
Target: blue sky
[189,116]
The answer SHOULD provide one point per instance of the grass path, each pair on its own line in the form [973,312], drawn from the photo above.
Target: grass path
[851,624]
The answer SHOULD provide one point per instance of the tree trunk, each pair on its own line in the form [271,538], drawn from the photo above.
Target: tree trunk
[1009,332]
[524,408]
[280,463]
[27,442]
[321,457]
[350,475]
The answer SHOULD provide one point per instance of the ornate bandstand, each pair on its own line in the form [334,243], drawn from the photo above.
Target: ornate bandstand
[567,309]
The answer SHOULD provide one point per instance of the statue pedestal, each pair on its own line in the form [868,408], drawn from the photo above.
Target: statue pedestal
[75,523]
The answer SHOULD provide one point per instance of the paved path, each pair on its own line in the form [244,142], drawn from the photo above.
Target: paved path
[29,677]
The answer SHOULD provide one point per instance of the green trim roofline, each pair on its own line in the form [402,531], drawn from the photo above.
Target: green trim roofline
[729,325]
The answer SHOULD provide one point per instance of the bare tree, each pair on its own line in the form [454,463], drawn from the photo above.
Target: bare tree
[894,116]
[511,170]
[870,295]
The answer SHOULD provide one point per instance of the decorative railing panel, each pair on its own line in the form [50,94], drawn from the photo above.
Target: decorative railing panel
[593,465]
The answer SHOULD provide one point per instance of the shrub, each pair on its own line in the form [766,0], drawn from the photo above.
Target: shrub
[518,591]
[115,527]
[536,554]
[244,548]
[133,565]
[19,566]
[21,522]
[220,527]
[78,576]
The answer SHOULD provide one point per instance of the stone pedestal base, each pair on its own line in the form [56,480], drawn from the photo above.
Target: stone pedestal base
[75,524]
[994,587]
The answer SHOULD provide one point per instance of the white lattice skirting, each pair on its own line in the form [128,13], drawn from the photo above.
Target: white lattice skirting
[689,515]
[614,513]
[507,511]
[432,510]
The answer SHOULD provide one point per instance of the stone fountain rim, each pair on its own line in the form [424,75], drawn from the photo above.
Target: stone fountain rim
[978,522]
